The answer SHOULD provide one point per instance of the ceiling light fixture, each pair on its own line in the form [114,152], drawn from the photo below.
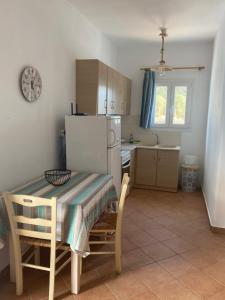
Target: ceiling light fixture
[162,68]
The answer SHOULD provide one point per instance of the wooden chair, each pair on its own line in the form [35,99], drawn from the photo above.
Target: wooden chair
[109,227]
[28,234]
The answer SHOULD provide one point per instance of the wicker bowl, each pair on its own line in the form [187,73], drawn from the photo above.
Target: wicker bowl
[57,177]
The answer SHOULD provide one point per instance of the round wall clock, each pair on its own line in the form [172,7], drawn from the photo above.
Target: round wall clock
[31,84]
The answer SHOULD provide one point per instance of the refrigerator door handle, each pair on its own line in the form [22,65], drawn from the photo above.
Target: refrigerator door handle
[113,134]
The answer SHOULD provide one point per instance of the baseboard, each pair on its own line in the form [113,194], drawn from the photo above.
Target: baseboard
[155,188]
[212,227]
[217,229]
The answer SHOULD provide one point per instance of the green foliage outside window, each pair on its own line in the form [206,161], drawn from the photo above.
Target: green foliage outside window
[160,105]
[180,105]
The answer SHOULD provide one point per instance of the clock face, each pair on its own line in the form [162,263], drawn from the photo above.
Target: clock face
[31,84]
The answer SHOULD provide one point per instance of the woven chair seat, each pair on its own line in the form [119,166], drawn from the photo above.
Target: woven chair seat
[42,243]
[106,222]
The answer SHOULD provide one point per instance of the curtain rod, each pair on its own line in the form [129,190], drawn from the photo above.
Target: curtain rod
[199,68]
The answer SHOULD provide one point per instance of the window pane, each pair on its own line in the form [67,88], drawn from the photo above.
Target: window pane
[160,105]
[180,99]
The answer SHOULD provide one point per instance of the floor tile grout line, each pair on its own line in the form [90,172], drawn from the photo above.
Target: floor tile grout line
[112,292]
[177,279]
[199,270]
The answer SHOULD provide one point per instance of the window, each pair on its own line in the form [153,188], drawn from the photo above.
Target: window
[172,104]
[160,105]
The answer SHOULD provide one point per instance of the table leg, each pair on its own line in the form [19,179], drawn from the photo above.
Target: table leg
[75,272]
[11,260]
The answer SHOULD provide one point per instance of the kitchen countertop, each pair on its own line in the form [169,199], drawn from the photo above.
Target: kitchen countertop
[130,147]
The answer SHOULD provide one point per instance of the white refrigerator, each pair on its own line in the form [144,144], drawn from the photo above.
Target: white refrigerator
[93,144]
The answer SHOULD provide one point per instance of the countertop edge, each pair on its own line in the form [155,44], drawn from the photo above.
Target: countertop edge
[131,147]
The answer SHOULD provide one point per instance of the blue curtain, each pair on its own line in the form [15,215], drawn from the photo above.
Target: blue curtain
[147,99]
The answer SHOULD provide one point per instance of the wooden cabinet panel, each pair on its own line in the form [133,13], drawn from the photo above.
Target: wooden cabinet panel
[115,94]
[146,167]
[127,96]
[119,93]
[111,92]
[167,168]
[87,85]
[123,94]
[102,88]
[157,169]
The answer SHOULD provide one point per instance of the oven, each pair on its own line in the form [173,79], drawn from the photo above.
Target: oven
[125,162]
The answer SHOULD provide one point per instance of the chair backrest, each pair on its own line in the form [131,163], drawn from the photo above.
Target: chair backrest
[123,194]
[15,220]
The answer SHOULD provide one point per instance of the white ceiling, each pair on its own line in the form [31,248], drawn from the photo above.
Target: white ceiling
[140,19]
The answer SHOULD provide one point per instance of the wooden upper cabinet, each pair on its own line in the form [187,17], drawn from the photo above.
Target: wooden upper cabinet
[146,165]
[126,94]
[168,168]
[119,92]
[101,89]
[91,86]
[111,105]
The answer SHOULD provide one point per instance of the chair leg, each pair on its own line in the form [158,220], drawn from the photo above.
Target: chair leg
[51,284]
[19,280]
[52,273]
[37,256]
[81,265]
[16,270]
[11,260]
[18,273]
[118,255]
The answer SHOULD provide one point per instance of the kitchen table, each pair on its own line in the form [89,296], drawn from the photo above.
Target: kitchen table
[80,202]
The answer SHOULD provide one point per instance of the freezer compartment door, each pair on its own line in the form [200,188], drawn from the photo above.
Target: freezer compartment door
[114,131]
[114,166]
[86,144]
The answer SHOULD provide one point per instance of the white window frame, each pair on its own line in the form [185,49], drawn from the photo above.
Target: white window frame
[171,84]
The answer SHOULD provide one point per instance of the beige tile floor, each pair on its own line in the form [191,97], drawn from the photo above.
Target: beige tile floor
[168,253]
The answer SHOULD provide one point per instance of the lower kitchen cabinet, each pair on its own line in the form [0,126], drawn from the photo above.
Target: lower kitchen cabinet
[146,167]
[157,169]
[167,169]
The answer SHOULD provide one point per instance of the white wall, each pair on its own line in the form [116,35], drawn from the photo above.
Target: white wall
[133,56]
[214,174]
[49,35]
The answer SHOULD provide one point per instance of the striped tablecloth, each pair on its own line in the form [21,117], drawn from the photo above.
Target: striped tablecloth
[79,204]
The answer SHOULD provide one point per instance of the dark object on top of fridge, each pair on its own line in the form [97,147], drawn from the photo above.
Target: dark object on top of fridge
[80,114]
[76,113]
